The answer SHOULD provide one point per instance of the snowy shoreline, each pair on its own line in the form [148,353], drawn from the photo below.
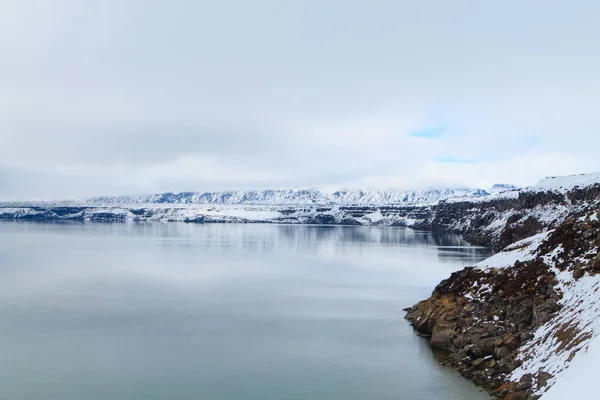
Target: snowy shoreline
[525,323]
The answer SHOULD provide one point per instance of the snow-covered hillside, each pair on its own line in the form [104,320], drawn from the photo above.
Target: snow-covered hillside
[525,323]
[297,197]
[564,184]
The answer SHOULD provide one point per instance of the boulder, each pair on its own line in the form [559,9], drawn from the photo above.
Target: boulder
[512,341]
[543,378]
[525,383]
[459,341]
[479,364]
[502,352]
[475,338]
[487,346]
[423,326]
[459,356]
[476,352]
[442,338]
[578,273]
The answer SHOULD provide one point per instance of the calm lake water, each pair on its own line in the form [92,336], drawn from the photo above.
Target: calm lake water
[184,311]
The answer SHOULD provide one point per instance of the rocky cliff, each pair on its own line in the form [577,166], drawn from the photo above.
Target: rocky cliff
[515,322]
[501,220]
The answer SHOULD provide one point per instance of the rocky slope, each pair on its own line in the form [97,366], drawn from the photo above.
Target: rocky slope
[515,322]
[507,217]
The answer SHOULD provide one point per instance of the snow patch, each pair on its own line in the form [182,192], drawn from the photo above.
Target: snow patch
[566,183]
[522,251]
[556,343]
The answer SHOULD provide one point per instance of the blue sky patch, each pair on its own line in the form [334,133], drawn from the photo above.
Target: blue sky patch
[430,133]
[529,143]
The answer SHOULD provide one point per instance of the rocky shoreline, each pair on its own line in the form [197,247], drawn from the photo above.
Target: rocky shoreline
[486,317]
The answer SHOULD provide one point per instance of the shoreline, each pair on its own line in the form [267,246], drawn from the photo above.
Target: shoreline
[499,320]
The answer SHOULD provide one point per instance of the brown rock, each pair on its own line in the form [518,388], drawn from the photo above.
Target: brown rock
[441,338]
[502,352]
[459,355]
[459,341]
[505,389]
[578,273]
[543,378]
[475,338]
[423,326]
[478,364]
[487,346]
[525,336]
[525,383]
[476,352]
[516,396]
[507,363]
[512,342]
[596,263]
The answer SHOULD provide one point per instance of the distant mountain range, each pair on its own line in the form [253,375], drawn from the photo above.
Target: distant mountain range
[503,187]
[304,197]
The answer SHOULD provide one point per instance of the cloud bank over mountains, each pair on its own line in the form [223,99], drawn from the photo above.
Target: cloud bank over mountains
[107,98]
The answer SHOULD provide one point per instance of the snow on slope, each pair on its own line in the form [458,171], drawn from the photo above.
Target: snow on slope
[553,349]
[558,184]
[559,347]
[313,196]
[296,197]
[563,184]
[579,381]
[523,250]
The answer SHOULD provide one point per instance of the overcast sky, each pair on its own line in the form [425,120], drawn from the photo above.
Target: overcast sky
[129,97]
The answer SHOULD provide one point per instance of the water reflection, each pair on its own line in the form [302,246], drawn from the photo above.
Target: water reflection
[162,311]
[271,238]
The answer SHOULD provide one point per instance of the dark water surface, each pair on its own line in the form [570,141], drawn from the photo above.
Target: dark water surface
[184,311]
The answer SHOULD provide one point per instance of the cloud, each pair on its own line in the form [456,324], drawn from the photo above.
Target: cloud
[111,97]
[452,160]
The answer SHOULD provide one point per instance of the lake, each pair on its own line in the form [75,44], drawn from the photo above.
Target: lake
[185,311]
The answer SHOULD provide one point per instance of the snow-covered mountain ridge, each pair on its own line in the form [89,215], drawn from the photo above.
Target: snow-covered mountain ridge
[301,197]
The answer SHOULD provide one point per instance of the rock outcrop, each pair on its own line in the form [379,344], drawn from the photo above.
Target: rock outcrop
[498,221]
[487,317]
